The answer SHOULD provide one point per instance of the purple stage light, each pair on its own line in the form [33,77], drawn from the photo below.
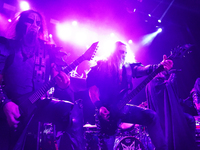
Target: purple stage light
[24,5]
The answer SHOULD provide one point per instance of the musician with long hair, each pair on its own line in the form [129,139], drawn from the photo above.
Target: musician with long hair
[27,62]
[106,80]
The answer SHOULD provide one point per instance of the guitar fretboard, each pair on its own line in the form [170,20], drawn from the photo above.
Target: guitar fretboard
[40,92]
[134,92]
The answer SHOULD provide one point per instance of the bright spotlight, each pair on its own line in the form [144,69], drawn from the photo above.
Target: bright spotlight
[64,31]
[147,39]
[130,41]
[134,10]
[74,23]
[9,20]
[112,34]
[50,35]
[159,30]
[149,15]
[24,5]
[159,21]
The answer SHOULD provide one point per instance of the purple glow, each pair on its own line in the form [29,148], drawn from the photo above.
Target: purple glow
[4,23]
[9,20]
[24,5]
[149,15]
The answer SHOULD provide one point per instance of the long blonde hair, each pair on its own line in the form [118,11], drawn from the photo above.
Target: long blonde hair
[114,61]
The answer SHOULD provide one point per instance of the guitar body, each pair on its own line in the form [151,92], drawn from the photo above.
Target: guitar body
[110,127]
[27,110]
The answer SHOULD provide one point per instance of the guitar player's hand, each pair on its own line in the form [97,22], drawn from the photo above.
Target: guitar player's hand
[11,111]
[104,113]
[167,63]
[62,80]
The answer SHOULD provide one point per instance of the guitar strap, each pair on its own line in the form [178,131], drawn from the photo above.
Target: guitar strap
[129,76]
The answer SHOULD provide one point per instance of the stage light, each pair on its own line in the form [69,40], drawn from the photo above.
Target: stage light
[149,15]
[134,10]
[112,34]
[159,30]
[50,35]
[130,41]
[9,20]
[74,23]
[159,21]
[24,5]
[147,39]
[64,31]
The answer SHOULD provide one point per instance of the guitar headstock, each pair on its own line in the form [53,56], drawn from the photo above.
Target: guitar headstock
[89,54]
[180,51]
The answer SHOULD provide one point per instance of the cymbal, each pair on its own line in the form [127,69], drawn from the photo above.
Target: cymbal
[89,126]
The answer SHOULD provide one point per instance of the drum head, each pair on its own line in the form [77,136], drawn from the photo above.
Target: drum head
[128,143]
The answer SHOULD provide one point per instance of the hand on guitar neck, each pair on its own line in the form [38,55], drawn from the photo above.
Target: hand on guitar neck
[61,78]
[143,104]
[167,63]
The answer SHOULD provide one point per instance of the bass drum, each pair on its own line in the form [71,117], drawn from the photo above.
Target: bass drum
[128,143]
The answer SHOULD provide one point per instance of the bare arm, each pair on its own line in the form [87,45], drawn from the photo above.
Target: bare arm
[94,96]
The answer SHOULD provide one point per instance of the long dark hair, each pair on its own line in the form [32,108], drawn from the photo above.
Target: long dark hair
[20,28]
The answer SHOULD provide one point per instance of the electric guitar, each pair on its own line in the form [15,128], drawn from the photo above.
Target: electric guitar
[29,102]
[110,127]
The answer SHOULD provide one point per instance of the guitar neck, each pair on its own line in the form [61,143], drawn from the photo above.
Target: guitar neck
[74,64]
[40,92]
[134,92]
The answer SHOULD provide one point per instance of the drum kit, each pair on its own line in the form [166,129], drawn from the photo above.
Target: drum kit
[128,137]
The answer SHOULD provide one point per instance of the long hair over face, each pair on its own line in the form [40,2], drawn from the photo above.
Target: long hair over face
[20,28]
[114,60]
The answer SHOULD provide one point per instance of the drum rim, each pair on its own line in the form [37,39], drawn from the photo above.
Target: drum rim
[123,137]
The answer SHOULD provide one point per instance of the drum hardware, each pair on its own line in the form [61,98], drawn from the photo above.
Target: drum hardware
[197,133]
[129,132]
[129,143]
[47,136]
[91,137]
